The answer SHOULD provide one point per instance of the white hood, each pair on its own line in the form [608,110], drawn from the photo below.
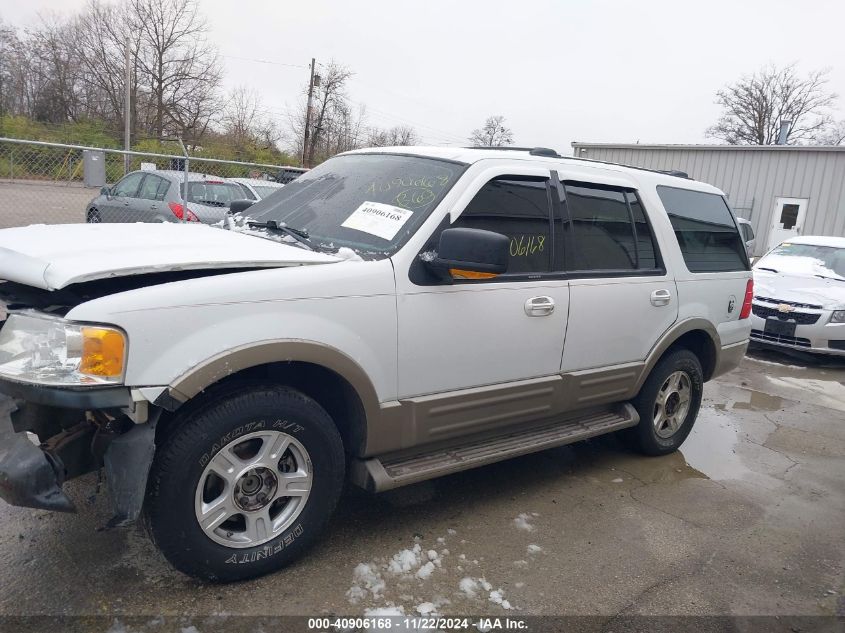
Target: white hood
[798,288]
[55,256]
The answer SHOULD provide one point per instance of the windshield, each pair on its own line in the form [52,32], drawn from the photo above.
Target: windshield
[214,194]
[371,203]
[806,259]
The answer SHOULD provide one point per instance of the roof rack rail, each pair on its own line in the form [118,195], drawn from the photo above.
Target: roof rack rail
[534,151]
[550,153]
[675,172]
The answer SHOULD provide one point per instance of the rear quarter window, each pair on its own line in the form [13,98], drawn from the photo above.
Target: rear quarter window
[705,229]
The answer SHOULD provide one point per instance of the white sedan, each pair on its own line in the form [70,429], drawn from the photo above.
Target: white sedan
[799,296]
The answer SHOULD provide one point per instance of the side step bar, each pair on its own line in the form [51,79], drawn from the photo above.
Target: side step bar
[386,472]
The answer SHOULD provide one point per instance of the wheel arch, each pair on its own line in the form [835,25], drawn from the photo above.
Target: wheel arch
[325,374]
[697,335]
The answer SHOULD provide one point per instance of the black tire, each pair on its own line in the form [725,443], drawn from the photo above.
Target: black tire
[180,463]
[644,437]
[93,217]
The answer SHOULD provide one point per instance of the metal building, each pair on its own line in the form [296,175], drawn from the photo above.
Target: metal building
[783,190]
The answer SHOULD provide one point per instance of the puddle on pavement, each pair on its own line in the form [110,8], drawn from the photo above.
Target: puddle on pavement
[758,401]
[711,447]
[826,393]
[755,401]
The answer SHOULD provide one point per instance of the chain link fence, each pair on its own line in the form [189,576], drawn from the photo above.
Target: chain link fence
[55,183]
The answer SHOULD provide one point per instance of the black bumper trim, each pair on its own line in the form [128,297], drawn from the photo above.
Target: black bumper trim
[69,398]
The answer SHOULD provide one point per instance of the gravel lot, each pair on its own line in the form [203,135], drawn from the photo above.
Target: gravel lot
[747,519]
[30,202]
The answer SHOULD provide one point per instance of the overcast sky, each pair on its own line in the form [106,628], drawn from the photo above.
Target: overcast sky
[607,71]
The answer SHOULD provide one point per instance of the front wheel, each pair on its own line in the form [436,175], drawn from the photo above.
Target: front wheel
[668,404]
[245,484]
[93,217]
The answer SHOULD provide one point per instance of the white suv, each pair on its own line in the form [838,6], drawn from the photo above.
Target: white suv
[391,316]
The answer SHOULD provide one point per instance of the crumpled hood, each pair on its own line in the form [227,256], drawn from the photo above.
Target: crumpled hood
[55,256]
[828,293]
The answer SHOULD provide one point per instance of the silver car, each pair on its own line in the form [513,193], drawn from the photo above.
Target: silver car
[799,296]
[157,196]
[257,188]
[748,237]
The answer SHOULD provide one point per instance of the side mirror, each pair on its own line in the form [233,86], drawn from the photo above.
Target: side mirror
[471,254]
[239,206]
[105,191]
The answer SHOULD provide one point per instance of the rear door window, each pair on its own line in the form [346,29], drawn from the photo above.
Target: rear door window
[705,229]
[602,228]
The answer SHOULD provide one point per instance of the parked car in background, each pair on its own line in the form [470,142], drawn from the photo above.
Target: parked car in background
[257,188]
[799,299]
[157,196]
[748,237]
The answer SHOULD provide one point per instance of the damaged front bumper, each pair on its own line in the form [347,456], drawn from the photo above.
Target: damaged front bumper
[27,475]
[79,432]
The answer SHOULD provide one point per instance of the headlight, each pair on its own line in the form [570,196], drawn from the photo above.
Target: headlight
[51,351]
[838,316]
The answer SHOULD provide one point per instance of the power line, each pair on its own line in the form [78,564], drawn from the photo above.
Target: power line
[266,61]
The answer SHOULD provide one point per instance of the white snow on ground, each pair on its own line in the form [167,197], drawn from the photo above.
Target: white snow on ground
[384,611]
[425,571]
[469,586]
[523,522]
[496,597]
[618,480]
[426,608]
[534,549]
[366,577]
[371,581]
[405,560]
[451,532]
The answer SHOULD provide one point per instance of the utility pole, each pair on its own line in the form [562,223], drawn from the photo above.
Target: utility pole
[307,135]
[127,106]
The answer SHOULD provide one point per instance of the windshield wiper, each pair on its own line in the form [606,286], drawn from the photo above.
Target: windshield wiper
[300,235]
[826,277]
[771,270]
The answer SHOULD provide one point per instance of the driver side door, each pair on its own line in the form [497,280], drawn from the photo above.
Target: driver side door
[117,206]
[479,354]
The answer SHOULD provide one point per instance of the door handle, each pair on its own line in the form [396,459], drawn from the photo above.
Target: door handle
[126,204]
[153,207]
[539,306]
[660,297]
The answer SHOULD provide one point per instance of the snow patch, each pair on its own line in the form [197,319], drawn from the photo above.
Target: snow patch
[523,522]
[425,571]
[426,608]
[618,480]
[534,549]
[346,253]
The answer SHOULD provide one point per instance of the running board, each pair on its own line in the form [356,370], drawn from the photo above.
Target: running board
[384,473]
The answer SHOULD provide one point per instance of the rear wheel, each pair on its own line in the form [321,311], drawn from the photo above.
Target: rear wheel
[93,217]
[668,404]
[245,484]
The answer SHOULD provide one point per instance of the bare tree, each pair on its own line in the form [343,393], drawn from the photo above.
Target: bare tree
[493,134]
[99,45]
[398,135]
[243,121]
[177,65]
[755,106]
[833,135]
